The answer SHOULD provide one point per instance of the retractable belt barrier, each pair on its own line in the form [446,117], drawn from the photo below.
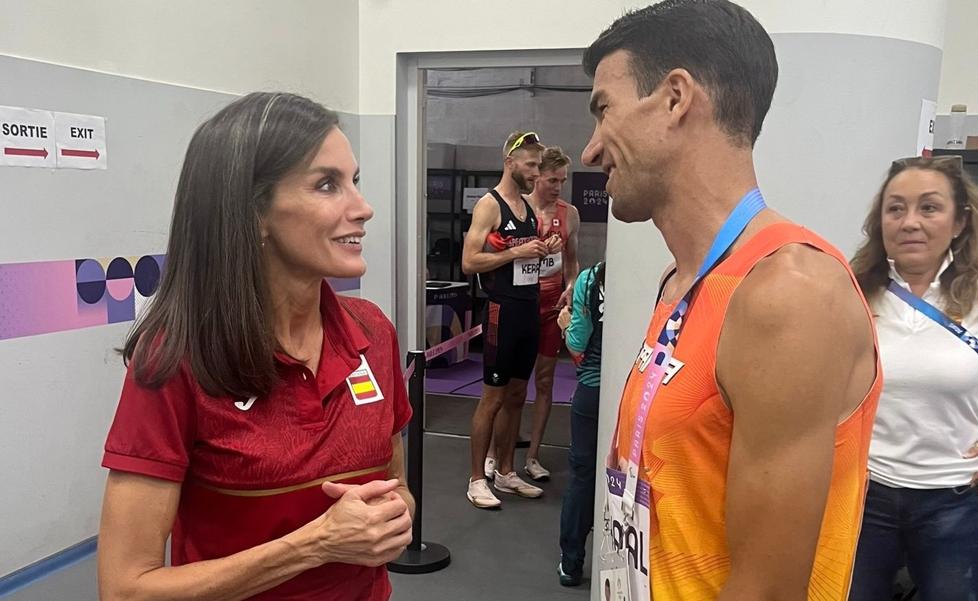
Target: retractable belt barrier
[442,348]
[422,557]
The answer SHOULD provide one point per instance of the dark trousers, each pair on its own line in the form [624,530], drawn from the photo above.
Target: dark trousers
[935,532]
[577,511]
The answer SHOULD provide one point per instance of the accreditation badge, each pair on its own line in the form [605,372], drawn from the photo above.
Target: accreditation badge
[626,546]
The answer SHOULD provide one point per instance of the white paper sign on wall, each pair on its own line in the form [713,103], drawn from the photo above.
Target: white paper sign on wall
[470,196]
[26,138]
[925,130]
[80,141]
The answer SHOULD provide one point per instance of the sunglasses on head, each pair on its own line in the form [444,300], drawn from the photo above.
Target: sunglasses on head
[529,137]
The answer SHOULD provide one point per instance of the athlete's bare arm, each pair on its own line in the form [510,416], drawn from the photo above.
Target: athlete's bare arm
[485,218]
[795,357]
[571,265]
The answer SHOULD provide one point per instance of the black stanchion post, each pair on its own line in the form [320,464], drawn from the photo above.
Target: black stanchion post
[421,557]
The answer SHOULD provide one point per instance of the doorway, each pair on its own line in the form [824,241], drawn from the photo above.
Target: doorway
[455,110]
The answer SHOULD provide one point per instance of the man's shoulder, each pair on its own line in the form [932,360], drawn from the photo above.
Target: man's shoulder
[486,208]
[487,199]
[797,286]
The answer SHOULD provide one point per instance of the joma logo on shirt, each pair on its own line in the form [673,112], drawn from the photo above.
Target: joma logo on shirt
[244,406]
[645,357]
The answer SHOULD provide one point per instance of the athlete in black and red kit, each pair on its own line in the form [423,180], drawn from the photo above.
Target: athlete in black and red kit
[503,248]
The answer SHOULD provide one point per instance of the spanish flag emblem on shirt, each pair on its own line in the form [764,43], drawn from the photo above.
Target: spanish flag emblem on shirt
[363,385]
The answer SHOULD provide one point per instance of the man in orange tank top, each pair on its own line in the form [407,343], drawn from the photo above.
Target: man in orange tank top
[744,426]
[557,220]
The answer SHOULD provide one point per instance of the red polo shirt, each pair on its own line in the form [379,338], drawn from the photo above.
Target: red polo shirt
[233,454]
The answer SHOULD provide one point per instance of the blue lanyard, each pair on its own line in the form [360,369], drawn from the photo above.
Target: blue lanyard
[749,206]
[935,314]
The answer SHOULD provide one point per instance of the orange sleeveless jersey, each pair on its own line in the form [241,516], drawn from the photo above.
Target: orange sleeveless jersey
[687,446]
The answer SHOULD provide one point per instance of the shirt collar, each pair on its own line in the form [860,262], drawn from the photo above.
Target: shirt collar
[340,321]
[896,277]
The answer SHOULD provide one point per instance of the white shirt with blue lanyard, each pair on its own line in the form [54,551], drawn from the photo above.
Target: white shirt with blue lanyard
[628,497]
[928,411]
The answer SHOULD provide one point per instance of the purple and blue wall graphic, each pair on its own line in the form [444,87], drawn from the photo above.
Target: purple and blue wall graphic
[55,296]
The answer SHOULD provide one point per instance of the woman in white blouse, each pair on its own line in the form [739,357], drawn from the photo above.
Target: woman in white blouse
[919,269]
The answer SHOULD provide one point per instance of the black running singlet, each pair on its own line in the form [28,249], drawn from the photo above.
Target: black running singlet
[520,278]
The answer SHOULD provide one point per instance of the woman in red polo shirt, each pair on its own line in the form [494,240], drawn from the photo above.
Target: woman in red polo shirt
[259,419]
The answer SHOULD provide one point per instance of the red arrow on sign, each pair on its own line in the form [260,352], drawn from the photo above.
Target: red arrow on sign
[26,152]
[87,154]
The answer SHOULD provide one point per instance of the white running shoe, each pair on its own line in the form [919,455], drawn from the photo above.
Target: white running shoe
[511,483]
[536,471]
[480,495]
[489,468]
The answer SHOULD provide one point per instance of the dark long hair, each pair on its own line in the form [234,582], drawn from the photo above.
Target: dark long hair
[212,310]
[959,283]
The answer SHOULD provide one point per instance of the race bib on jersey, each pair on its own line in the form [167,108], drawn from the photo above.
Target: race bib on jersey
[552,265]
[526,272]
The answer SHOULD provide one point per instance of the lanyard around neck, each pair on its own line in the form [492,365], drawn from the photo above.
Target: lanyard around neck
[935,314]
[749,206]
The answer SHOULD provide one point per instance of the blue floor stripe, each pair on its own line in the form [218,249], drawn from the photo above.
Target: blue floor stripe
[40,570]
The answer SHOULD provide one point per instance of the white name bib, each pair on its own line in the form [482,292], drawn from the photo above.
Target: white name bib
[526,272]
[552,265]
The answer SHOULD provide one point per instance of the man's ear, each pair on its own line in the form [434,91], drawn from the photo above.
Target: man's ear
[680,89]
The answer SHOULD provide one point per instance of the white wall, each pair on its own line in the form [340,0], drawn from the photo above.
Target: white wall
[58,390]
[387,28]
[304,46]
[310,47]
[61,388]
[446,25]
[959,70]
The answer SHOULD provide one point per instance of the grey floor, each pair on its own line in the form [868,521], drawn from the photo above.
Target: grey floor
[453,415]
[74,583]
[496,555]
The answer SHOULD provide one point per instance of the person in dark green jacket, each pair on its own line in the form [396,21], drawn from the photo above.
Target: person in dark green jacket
[581,323]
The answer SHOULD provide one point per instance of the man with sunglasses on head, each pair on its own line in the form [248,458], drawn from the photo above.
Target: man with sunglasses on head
[503,248]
